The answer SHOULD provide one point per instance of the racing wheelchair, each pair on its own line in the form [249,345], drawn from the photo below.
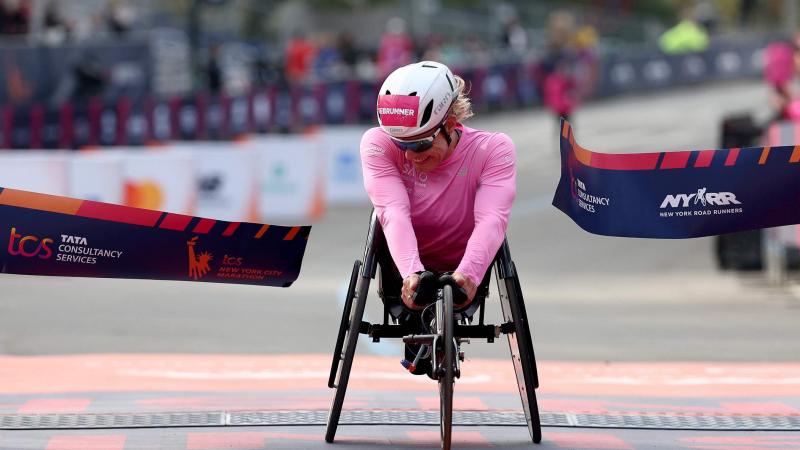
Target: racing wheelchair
[436,332]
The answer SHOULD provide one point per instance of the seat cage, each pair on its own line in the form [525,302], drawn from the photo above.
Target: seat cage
[399,321]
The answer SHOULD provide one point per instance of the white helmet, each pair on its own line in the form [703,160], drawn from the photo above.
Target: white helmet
[415,99]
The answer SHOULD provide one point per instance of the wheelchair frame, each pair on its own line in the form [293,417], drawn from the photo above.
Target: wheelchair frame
[515,326]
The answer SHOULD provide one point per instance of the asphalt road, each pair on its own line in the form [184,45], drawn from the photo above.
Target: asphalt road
[589,298]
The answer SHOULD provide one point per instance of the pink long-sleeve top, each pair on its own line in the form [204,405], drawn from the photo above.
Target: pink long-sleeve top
[453,218]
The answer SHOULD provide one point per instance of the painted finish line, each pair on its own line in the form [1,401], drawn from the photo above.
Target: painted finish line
[196,372]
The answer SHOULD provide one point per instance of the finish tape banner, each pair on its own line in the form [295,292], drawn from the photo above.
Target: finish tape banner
[59,236]
[677,195]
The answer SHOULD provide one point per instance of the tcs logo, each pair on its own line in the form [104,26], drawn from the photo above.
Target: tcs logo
[29,246]
[232,261]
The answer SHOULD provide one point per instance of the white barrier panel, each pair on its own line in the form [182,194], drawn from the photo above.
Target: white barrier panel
[35,171]
[98,176]
[291,184]
[161,179]
[225,179]
[344,181]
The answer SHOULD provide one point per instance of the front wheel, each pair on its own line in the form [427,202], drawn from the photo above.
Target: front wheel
[444,320]
[520,344]
[348,353]
[344,324]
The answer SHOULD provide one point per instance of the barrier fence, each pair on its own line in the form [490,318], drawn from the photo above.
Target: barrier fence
[139,120]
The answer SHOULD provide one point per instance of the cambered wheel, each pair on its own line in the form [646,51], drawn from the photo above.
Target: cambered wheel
[348,354]
[521,346]
[344,324]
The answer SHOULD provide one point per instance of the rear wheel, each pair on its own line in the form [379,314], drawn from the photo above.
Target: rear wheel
[444,322]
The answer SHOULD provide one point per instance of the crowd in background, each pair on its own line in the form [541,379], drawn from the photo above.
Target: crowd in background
[17,20]
[566,62]
[324,56]
[565,55]
[565,52]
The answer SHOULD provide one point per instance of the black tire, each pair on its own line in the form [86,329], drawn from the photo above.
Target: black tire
[344,324]
[447,375]
[521,346]
[347,359]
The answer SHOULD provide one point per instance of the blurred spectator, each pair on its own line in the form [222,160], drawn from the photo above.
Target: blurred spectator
[556,72]
[56,30]
[265,73]
[586,61]
[515,38]
[299,56]
[431,49]
[560,90]
[348,51]
[367,66]
[327,64]
[14,17]
[707,16]
[119,17]
[685,37]
[475,52]
[779,64]
[779,71]
[455,52]
[746,8]
[560,27]
[396,47]
[214,78]
[796,46]
[89,77]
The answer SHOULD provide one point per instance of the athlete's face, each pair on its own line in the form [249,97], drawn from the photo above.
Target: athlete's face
[428,160]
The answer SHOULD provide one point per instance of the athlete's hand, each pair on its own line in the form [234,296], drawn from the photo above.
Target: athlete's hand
[407,292]
[467,285]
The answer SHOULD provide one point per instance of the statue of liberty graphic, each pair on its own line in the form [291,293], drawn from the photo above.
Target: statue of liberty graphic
[198,265]
[701,197]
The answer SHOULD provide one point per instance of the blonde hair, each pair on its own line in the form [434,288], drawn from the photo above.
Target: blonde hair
[462,106]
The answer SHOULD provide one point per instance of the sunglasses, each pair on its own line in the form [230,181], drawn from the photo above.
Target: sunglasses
[418,146]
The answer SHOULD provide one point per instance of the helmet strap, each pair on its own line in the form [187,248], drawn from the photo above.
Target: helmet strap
[446,135]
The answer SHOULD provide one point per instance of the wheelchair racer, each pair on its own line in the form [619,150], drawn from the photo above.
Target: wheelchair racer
[442,191]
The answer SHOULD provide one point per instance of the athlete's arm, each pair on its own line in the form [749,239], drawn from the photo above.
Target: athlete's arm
[496,191]
[389,197]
